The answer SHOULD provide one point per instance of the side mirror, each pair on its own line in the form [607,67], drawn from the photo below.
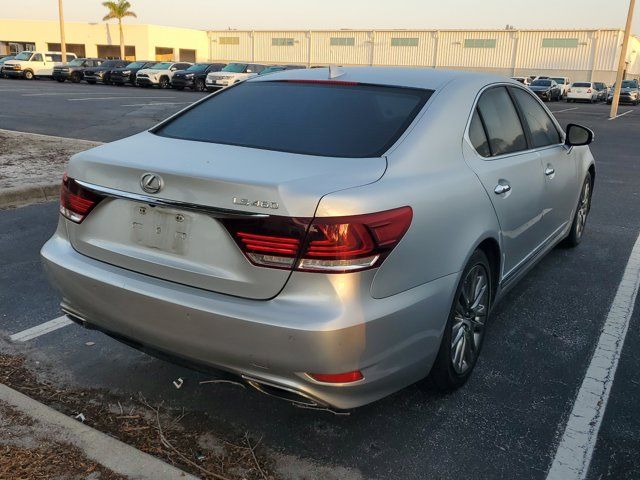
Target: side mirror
[577,135]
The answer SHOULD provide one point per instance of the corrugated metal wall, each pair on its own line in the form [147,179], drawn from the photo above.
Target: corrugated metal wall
[583,52]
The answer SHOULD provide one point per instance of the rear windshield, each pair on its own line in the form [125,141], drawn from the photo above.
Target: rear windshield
[581,84]
[541,83]
[334,120]
[629,84]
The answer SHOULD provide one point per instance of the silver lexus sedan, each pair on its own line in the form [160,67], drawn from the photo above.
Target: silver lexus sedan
[328,236]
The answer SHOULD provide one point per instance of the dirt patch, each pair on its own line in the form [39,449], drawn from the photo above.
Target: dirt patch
[29,159]
[176,437]
[28,451]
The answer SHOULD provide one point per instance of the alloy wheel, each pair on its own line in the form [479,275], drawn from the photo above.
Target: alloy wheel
[583,209]
[471,310]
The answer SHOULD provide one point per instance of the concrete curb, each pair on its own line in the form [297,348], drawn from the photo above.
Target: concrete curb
[103,449]
[27,194]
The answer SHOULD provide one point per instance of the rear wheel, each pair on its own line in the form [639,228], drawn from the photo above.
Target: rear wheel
[580,217]
[199,85]
[464,332]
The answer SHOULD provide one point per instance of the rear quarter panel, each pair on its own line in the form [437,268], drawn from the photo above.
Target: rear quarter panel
[451,211]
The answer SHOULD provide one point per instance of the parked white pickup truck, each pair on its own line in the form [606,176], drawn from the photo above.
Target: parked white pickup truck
[160,74]
[34,64]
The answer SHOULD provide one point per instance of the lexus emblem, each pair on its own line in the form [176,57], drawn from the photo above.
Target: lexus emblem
[151,183]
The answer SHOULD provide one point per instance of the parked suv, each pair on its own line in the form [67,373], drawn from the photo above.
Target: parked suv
[603,91]
[563,83]
[194,76]
[102,73]
[160,74]
[127,74]
[74,70]
[629,92]
[231,74]
[2,62]
[34,64]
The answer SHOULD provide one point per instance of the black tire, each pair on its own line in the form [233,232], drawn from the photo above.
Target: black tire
[444,374]
[199,85]
[28,75]
[580,217]
[76,77]
[60,80]
[164,82]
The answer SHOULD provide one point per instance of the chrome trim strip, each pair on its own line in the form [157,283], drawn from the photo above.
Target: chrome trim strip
[163,202]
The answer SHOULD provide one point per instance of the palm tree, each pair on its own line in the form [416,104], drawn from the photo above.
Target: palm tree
[119,10]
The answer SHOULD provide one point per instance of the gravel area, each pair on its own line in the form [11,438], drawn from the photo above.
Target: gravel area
[29,159]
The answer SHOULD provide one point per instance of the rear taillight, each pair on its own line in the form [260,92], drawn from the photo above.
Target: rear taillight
[329,244]
[76,201]
[589,91]
[348,377]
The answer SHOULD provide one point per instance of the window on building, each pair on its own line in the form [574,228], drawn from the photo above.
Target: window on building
[343,41]
[229,40]
[480,43]
[404,42]
[560,43]
[282,42]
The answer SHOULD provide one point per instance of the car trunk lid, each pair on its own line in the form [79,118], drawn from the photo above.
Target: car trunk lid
[179,236]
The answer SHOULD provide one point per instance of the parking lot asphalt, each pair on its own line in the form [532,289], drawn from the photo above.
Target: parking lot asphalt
[505,423]
[90,112]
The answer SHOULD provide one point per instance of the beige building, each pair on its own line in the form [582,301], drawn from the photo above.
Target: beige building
[143,42]
[579,54]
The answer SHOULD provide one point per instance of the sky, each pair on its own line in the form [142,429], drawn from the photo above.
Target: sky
[335,14]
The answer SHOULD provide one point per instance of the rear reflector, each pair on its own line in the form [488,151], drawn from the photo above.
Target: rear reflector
[329,244]
[348,377]
[76,201]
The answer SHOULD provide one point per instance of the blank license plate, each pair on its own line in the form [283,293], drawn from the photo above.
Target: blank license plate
[163,229]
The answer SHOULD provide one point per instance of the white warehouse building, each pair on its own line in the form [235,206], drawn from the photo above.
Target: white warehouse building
[582,55]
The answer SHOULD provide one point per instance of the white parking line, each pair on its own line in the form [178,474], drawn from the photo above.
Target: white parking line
[156,103]
[565,110]
[42,329]
[621,115]
[107,98]
[574,453]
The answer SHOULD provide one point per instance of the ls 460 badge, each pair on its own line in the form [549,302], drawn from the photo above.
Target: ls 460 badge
[245,202]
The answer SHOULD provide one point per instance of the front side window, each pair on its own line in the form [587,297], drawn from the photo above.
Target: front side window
[37,58]
[542,129]
[334,120]
[501,121]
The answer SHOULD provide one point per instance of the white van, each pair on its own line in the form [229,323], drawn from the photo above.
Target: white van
[34,64]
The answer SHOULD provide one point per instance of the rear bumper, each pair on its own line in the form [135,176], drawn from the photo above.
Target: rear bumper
[582,96]
[318,324]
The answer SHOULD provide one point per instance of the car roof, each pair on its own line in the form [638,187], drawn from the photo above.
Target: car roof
[427,78]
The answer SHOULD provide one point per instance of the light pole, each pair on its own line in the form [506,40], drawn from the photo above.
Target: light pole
[622,62]
[63,45]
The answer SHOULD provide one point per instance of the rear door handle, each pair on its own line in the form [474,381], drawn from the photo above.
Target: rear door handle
[502,188]
[549,171]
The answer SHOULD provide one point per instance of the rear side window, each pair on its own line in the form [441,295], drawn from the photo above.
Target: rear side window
[542,129]
[335,120]
[501,121]
[478,137]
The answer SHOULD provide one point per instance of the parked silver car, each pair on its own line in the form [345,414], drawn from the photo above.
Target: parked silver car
[334,250]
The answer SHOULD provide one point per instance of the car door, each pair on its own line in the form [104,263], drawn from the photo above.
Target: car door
[38,64]
[558,163]
[511,174]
